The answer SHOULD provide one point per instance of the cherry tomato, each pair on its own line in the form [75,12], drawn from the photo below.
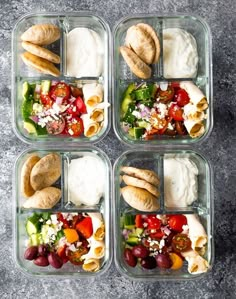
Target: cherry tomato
[73,110]
[61,251]
[176,112]
[138,221]
[76,92]
[181,97]
[181,243]
[75,126]
[163,130]
[60,90]
[46,100]
[153,222]
[79,103]
[176,222]
[75,256]
[157,235]
[180,128]
[63,220]
[166,95]
[56,126]
[76,219]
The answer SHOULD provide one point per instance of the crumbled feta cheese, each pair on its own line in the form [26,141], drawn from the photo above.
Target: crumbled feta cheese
[170,127]
[37,108]
[70,131]
[41,220]
[54,219]
[72,248]
[162,243]
[162,109]
[136,114]
[145,224]
[164,86]
[49,222]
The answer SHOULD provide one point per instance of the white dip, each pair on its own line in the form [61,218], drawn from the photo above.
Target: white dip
[86,180]
[84,55]
[180,54]
[180,182]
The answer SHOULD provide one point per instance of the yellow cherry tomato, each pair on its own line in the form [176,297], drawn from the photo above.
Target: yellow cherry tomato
[176,260]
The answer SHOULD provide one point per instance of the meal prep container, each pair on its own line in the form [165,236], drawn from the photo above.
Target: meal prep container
[20,72]
[20,214]
[122,76]
[203,206]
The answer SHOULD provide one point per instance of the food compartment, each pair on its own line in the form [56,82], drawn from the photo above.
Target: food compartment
[169,243]
[139,114]
[58,241]
[45,107]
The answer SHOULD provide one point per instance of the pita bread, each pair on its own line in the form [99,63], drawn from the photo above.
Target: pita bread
[131,181]
[140,199]
[136,65]
[26,188]
[40,64]
[149,30]
[43,199]
[46,171]
[143,174]
[41,52]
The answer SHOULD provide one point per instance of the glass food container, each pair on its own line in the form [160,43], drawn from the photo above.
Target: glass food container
[203,207]
[23,73]
[21,214]
[123,77]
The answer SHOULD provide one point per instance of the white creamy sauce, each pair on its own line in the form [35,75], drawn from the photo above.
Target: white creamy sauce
[84,56]
[180,182]
[180,54]
[86,180]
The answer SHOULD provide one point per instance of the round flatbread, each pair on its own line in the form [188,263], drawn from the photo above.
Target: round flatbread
[40,64]
[46,171]
[131,181]
[26,188]
[143,174]
[140,199]
[41,52]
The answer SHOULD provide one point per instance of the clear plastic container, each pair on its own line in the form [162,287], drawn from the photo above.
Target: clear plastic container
[203,207]
[122,76]
[20,72]
[20,213]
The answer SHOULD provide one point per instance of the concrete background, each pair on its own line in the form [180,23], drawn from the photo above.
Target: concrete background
[219,148]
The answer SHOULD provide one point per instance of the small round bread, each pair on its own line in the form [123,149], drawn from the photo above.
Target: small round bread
[40,64]
[140,199]
[141,43]
[143,174]
[41,52]
[131,181]
[136,65]
[46,171]
[26,188]
[148,29]
[46,198]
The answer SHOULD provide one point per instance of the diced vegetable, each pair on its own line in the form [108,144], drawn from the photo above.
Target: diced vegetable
[129,221]
[85,227]
[71,235]
[33,224]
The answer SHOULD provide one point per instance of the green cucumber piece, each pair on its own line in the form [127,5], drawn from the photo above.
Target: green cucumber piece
[26,90]
[132,241]
[139,231]
[127,98]
[45,86]
[143,124]
[138,132]
[35,239]
[129,221]
[27,108]
[33,225]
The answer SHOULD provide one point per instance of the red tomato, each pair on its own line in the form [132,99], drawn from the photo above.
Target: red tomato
[79,103]
[63,220]
[176,112]
[157,235]
[181,97]
[180,128]
[76,219]
[75,126]
[61,251]
[138,221]
[85,227]
[166,95]
[60,90]
[73,110]
[181,242]
[46,100]
[75,256]
[153,222]
[56,126]
[176,222]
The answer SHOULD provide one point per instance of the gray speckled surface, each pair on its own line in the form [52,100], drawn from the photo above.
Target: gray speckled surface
[219,148]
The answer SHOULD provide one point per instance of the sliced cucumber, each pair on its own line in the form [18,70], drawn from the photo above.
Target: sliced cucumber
[139,231]
[33,225]
[26,90]
[129,221]
[138,132]
[35,239]
[132,241]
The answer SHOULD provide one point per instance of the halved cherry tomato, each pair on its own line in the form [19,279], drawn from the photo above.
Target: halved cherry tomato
[181,97]
[76,92]
[75,256]
[153,222]
[85,227]
[61,251]
[73,110]
[157,235]
[166,95]
[63,220]
[163,130]
[138,221]
[56,126]
[46,100]
[76,219]
[75,126]
[180,128]
[181,243]
[176,222]
[176,112]
[79,103]
[60,90]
